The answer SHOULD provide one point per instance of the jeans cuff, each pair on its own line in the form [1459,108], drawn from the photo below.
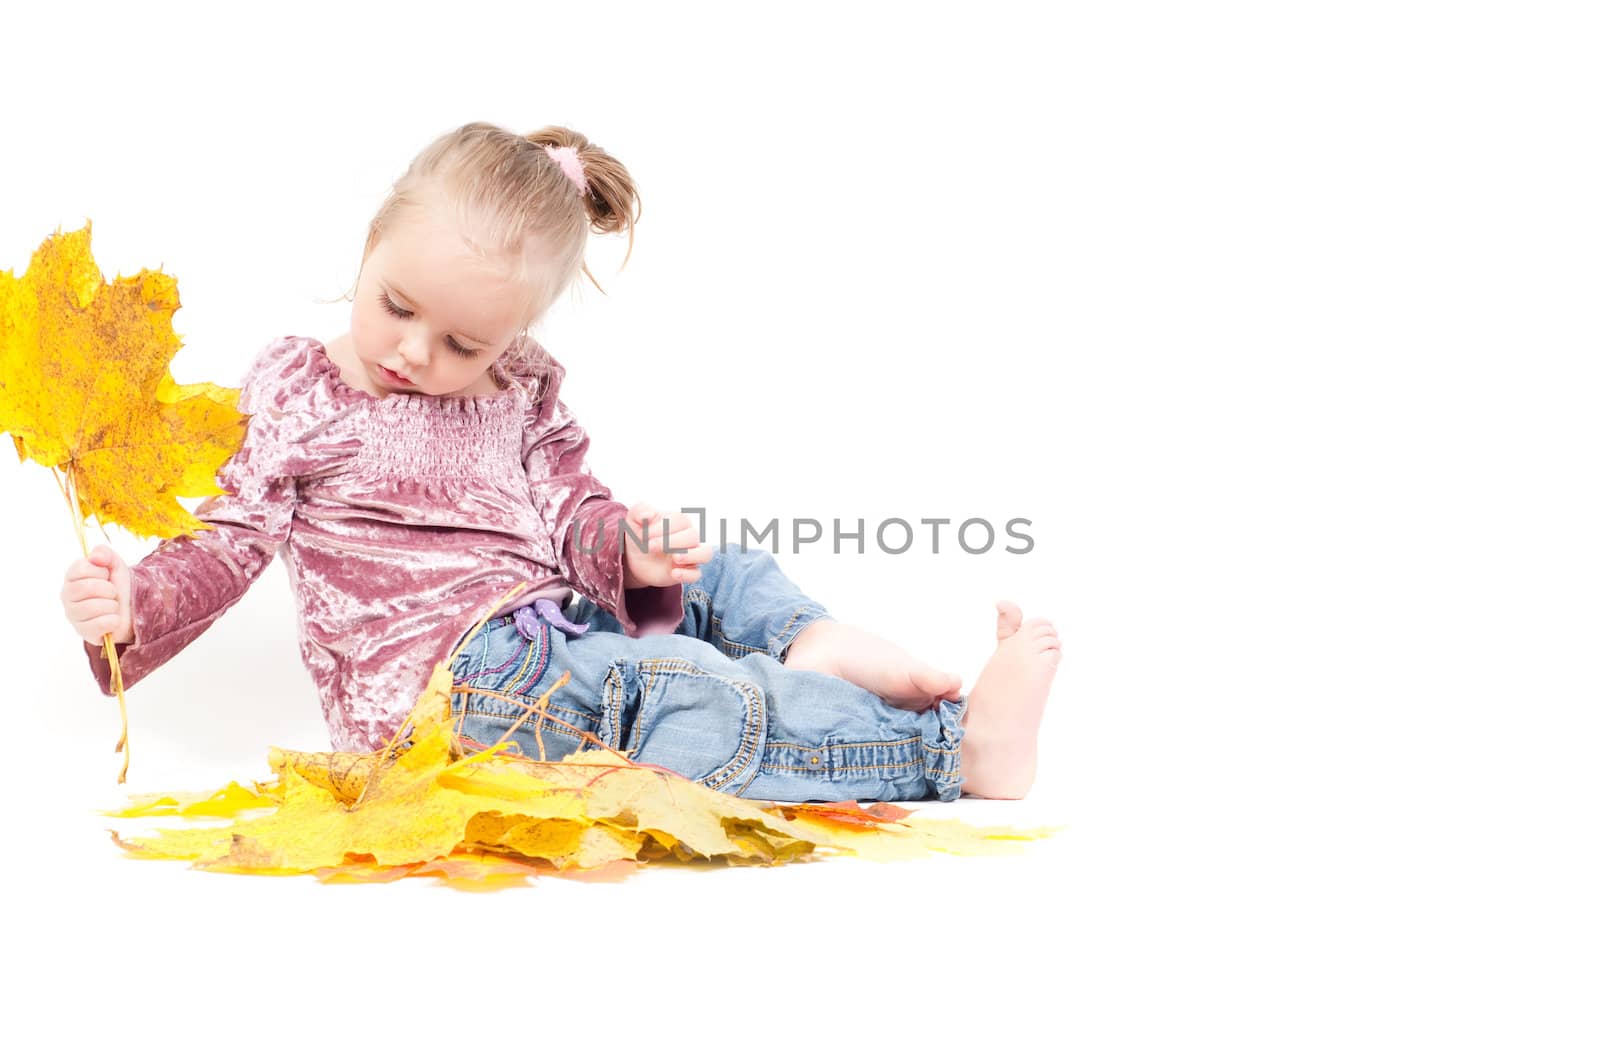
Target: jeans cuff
[942,731]
[778,645]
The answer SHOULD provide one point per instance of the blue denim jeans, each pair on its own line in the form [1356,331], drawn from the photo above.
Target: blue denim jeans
[712,701]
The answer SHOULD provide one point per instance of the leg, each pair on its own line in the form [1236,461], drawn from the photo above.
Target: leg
[747,725]
[743,603]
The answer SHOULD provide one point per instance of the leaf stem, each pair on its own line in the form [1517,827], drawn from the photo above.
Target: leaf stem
[70,493]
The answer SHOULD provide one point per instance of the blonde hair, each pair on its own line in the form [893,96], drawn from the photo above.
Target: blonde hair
[505,189]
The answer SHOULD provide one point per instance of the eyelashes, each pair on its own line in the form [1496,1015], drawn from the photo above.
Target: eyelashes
[395,311]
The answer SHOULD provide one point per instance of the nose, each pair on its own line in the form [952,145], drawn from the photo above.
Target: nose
[414,349]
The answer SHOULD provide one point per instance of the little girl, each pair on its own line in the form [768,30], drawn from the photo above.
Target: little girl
[415,470]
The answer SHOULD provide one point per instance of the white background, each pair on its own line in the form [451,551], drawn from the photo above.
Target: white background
[1278,323]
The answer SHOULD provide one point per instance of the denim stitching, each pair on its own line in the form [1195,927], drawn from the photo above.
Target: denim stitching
[611,695]
[644,695]
[755,706]
[843,767]
[587,715]
[926,749]
[949,774]
[487,669]
[555,723]
[509,687]
[716,631]
[483,670]
[798,613]
[845,745]
[522,669]
[543,662]
[728,645]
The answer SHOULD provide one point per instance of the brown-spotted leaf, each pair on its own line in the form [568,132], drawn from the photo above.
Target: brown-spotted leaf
[85,387]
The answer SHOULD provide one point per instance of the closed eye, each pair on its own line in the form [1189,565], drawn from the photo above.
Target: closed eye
[395,311]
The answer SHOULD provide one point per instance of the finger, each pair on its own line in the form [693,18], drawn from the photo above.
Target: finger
[646,515]
[699,555]
[84,590]
[88,612]
[639,518]
[676,538]
[671,540]
[688,575]
[99,629]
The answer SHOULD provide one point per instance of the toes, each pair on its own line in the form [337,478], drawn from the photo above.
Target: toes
[1009,618]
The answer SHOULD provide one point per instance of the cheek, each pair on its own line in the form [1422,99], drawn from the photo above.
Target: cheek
[365,330]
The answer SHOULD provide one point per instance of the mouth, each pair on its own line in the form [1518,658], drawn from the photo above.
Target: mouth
[395,378]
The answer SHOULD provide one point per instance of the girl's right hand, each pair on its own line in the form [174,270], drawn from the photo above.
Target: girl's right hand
[98,595]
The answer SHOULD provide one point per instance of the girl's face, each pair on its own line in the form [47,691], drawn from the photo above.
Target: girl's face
[432,312]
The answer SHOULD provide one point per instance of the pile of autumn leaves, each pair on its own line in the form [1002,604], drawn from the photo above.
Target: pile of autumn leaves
[85,389]
[491,818]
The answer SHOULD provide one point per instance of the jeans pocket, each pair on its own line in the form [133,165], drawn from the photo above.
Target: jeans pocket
[710,728]
[508,678]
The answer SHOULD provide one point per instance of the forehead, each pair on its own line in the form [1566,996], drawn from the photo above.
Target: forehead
[425,242]
[426,250]
[427,260]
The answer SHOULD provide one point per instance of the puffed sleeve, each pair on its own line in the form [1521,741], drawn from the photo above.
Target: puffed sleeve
[187,582]
[584,521]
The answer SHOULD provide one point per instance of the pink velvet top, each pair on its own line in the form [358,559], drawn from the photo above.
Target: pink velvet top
[400,519]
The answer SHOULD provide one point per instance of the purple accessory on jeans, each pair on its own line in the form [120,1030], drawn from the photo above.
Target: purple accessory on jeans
[528,618]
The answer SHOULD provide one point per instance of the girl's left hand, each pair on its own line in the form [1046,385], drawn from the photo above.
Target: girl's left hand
[653,565]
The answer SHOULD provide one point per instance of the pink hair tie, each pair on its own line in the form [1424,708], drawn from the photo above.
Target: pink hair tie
[571,165]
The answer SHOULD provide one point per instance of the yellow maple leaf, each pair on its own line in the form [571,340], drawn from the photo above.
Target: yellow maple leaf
[84,382]
[85,389]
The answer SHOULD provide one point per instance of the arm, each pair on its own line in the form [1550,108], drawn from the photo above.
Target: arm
[571,502]
[187,582]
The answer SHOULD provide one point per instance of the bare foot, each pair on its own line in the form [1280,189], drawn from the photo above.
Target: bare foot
[872,662]
[1000,752]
